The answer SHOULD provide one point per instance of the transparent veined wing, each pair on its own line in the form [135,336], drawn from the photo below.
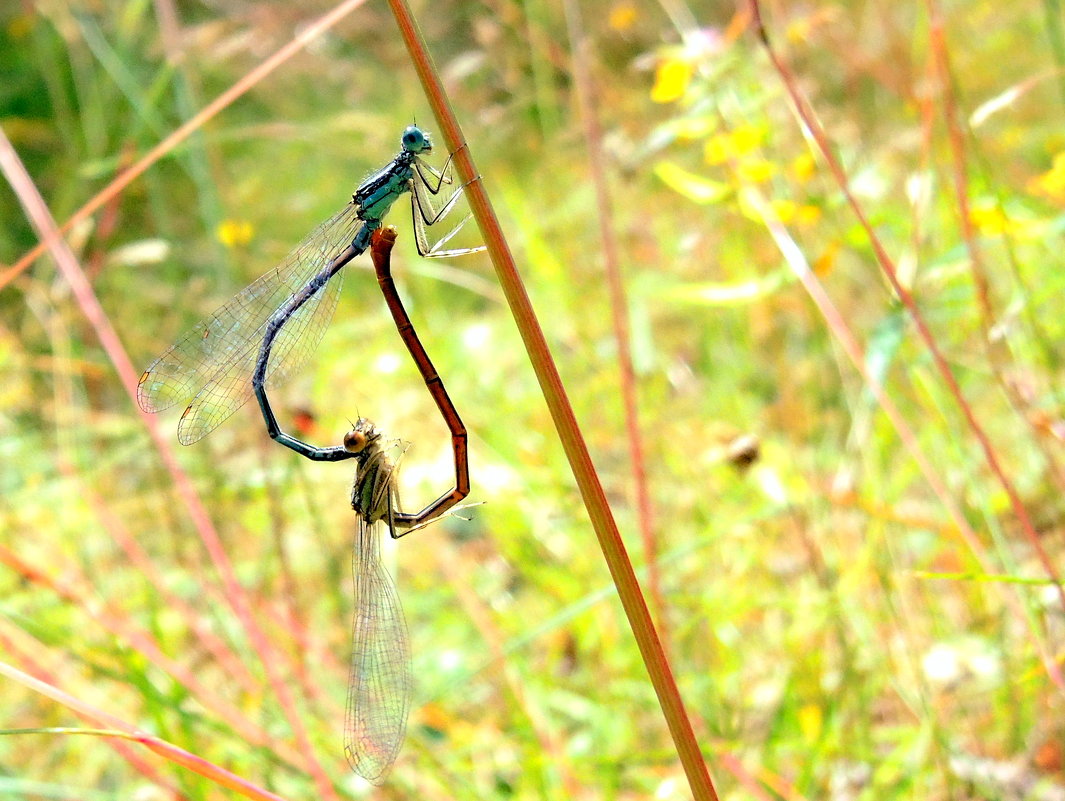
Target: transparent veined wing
[207,368]
[381,685]
[231,387]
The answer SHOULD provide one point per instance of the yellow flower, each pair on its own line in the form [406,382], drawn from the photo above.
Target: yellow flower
[671,81]
[20,26]
[746,139]
[989,221]
[234,233]
[807,214]
[1051,184]
[717,149]
[824,263]
[622,16]
[739,142]
[784,209]
[756,170]
[811,721]
[993,221]
[790,212]
[803,167]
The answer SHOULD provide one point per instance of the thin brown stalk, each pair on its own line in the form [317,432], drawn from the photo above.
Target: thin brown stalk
[126,177]
[619,308]
[956,135]
[107,224]
[836,323]
[811,123]
[558,404]
[959,173]
[139,558]
[43,222]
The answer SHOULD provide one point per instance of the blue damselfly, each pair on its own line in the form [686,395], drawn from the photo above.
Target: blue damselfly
[269,330]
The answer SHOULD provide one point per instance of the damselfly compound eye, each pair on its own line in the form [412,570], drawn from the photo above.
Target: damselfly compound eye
[355,441]
[415,139]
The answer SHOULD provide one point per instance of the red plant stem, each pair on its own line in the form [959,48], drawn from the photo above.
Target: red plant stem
[138,557]
[956,136]
[561,413]
[73,589]
[43,222]
[809,120]
[593,135]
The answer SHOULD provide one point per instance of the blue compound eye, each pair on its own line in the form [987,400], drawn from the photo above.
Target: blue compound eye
[415,140]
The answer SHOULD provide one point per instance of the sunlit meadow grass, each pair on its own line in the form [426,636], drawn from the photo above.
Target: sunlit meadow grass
[843,621]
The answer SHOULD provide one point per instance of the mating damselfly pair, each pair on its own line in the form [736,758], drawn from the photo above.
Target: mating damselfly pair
[262,336]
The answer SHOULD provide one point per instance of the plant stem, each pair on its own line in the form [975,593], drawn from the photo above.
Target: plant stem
[591,490]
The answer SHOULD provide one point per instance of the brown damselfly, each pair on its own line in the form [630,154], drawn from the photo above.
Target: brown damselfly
[380,683]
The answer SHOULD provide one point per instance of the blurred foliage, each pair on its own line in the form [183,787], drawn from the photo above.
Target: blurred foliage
[832,634]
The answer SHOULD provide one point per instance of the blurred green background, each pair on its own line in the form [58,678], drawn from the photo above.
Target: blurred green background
[832,633]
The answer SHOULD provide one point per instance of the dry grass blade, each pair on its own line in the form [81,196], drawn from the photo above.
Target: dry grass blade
[220,103]
[119,728]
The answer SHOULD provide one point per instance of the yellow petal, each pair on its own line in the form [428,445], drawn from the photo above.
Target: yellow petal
[803,167]
[826,261]
[622,17]
[671,81]
[692,186]
[756,170]
[807,214]
[810,721]
[746,139]
[785,210]
[234,233]
[718,149]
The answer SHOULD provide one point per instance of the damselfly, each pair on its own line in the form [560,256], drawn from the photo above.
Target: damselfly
[268,330]
[380,684]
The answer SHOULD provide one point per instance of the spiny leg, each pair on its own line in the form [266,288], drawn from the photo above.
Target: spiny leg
[441,176]
[421,220]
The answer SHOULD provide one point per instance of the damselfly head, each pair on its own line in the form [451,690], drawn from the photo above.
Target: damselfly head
[415,140]
[361,437]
